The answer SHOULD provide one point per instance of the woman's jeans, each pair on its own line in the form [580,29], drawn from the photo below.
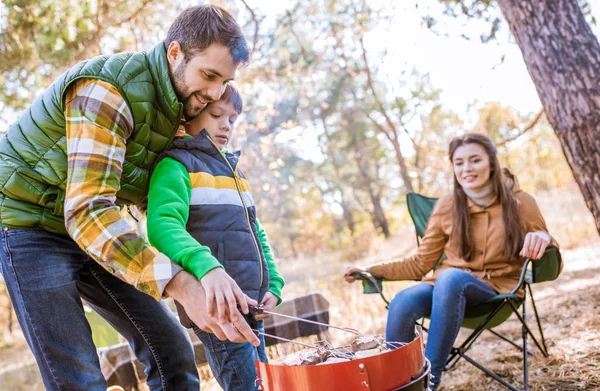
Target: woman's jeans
[445,303]
[232,364]
[47,275]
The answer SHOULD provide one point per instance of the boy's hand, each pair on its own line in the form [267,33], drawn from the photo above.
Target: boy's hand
[223,295]
[268,304]
[188,292]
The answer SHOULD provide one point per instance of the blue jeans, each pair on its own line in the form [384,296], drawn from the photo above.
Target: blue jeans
[47,275]
[232,364]
[445,303]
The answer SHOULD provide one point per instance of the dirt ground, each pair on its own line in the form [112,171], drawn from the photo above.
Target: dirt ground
[569,309]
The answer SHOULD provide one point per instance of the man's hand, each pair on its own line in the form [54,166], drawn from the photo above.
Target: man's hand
[268,304]
[191,295]
[223,295]
[535,244]
[350,270]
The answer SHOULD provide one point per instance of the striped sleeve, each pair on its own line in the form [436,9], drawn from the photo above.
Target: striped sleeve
[98,123]
[168,211]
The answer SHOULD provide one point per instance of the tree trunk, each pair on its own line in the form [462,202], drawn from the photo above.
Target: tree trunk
[348,217]
[563,59]
[378,216]
[402,164]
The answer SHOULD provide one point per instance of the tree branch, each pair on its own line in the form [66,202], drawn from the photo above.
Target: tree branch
[133,15]
[304,52]
[522,132]
[383,112]
[255,20]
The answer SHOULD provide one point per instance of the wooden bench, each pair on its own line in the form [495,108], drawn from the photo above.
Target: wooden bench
[120,366]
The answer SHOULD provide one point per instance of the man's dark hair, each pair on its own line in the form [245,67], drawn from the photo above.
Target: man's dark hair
[196,28]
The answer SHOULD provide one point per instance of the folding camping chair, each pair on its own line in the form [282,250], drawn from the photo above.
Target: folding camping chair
[493,312]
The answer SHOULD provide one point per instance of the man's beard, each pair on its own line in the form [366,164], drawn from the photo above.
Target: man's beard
[178,77]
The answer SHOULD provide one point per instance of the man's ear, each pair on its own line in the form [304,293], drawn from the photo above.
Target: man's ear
[174,53]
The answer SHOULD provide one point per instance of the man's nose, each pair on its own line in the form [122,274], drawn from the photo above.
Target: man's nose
[216,91]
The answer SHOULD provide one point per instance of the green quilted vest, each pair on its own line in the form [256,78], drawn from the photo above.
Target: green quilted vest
[33,153]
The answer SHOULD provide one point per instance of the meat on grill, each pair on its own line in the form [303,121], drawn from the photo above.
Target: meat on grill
[307,357]
[367,342]
[362,346]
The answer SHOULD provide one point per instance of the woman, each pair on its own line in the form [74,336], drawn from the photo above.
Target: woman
[485,228]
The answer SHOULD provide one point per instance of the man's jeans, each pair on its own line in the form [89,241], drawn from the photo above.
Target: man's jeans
[47,275]
[445,302]
[232,364]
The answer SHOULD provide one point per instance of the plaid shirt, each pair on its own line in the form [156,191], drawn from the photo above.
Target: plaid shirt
[99,123]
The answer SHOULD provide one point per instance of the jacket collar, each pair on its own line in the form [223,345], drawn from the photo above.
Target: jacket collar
[202,142]
[510,179]
[165,93]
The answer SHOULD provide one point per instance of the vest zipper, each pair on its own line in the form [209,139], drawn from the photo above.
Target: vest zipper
[235,179]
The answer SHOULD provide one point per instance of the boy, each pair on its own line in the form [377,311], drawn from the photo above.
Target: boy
[202,216]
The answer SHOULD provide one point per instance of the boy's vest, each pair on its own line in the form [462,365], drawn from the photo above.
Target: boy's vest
[33,153]
[222,212]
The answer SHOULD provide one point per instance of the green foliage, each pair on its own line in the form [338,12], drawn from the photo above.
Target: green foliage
[39,40]
[324,128]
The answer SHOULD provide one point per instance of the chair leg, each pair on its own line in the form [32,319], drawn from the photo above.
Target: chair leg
[516,311]
[524,331]
[490,373]
[539,324]
[505,338]
[457,353]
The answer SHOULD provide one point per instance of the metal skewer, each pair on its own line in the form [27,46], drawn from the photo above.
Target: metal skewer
[257,332]
[260,310]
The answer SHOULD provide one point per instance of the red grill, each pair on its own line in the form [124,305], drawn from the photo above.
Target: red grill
[404,368]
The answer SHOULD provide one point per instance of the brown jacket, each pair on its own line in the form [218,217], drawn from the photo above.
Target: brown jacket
[488,262]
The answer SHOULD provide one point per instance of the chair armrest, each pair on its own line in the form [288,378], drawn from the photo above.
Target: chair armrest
[522,277]
[546,268]
[371,284]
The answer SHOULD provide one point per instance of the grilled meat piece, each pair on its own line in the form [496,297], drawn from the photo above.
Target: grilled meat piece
[366,342]
[306,357]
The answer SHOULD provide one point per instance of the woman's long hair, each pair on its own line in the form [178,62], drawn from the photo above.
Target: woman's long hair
[513,239]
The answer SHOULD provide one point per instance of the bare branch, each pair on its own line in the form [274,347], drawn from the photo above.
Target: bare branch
[380,127]
[133,15]
[522,132]
[302,49]
[255,20]
[382,110]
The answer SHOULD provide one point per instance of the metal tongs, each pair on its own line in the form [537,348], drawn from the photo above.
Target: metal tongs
[260,310]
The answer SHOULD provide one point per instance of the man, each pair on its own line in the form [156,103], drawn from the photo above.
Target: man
[82,150]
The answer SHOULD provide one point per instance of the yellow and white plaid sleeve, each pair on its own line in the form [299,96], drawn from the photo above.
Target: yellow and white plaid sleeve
[98,125]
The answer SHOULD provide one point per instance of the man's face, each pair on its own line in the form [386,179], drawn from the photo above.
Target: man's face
[202,78]
[218,120]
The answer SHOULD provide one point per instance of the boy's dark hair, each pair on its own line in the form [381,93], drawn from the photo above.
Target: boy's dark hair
[232,94]
[196,28]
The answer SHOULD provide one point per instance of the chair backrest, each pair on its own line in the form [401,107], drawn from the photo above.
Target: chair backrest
[547,268]
[420,209]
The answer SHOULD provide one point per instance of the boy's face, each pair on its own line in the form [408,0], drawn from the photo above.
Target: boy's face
[218,119]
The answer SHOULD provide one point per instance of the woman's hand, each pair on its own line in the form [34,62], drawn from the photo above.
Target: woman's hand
[351,270]
[535,244]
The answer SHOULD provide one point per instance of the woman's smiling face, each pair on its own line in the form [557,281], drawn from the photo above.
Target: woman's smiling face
[471,166]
